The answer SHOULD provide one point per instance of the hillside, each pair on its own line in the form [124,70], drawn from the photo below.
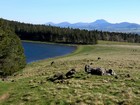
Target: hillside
[102,25]
[32,87]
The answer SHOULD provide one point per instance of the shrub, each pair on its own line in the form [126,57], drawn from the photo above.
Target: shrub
[12,58]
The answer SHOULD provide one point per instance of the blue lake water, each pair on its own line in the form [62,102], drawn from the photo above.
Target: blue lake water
[39,51]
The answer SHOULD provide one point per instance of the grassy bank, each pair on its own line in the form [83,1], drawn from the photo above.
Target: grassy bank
[31,87]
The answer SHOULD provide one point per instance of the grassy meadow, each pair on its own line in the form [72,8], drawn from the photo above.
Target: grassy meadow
[31,87]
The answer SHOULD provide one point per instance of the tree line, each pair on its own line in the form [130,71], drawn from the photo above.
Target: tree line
[51,34]
[118,36]
[67,35]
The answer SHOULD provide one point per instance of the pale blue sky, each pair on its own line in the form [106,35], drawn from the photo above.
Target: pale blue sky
[42,11]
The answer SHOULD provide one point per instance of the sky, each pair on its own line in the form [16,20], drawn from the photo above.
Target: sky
[43,11]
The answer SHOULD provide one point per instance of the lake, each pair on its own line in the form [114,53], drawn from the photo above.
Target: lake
[39,51]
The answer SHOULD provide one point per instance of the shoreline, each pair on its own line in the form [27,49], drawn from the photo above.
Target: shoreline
[66,44]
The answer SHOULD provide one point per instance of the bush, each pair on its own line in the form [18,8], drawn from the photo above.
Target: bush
[12,58]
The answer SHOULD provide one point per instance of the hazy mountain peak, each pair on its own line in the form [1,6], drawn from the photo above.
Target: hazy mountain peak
[100,21]
[64,23]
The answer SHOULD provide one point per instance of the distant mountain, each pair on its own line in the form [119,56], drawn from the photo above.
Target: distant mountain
[63,24]
[102,25]
[100,22]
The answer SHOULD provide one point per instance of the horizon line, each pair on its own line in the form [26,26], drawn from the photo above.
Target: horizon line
[91,22]
[69,22]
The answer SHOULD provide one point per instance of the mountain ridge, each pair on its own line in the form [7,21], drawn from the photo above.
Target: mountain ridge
[101,25]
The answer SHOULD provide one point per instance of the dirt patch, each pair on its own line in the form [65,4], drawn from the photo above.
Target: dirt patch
[4,96]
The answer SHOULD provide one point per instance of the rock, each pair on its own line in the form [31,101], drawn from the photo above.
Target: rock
[116,77]
[12,80]
[87,69]
[98,71]
[94,71]
[91,63]
[128,76]
[52,63]
[58,76]
[70,73]
[110,72]
[99,58]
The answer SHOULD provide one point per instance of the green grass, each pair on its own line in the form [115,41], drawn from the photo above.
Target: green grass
[116,43]
[31,86]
